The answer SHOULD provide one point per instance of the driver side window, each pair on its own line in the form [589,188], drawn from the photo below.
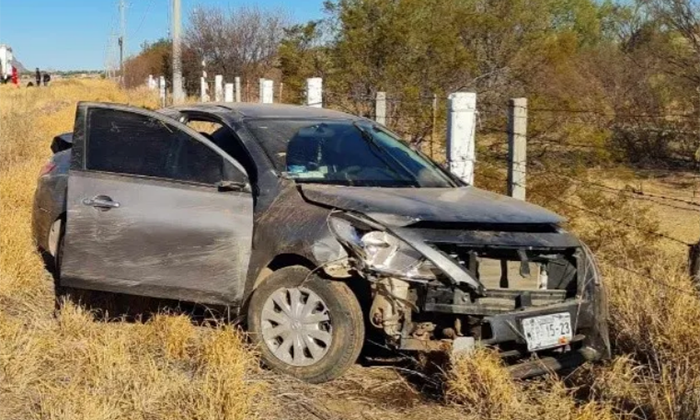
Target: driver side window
[129,143]
[195,162]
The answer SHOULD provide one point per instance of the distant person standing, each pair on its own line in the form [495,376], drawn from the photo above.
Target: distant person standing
[15,76]
[47,79]
[38,77]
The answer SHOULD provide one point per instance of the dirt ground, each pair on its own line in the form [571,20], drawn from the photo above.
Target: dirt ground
[370,393]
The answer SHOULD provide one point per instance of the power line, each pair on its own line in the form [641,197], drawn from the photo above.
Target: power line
[143,18]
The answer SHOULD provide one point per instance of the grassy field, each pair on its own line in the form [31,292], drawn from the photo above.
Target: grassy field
[74,366]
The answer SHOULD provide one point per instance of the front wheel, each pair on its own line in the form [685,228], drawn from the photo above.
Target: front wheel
[309,328]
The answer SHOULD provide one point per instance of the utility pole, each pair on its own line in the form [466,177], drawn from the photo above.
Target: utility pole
[110,59]
[178,94]
[122,40]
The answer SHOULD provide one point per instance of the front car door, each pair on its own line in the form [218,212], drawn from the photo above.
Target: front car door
[154,209]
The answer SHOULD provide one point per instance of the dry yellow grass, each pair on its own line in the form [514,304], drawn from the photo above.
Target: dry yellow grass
[482,387]
[77,367]
[479,383]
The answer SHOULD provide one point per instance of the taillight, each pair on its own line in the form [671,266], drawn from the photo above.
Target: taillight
[47,168]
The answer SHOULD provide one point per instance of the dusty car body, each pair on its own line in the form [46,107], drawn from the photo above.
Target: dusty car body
[254,218]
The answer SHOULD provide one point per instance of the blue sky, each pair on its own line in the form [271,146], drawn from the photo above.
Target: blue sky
[74,34]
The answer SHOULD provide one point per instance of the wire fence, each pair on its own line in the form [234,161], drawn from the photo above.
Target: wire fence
[421,118]
[627,269]
[569,204]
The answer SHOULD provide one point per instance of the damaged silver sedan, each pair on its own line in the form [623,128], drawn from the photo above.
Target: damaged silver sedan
[319,226]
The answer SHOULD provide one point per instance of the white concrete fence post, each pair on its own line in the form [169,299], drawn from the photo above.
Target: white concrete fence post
[517,147]
[238,89]
[161,92]
[260,89]
[228,92]
[380,108]
[461,128]
[204,87]
[266,91]
[152,84]
[204,84]
[219,88]
[314,92]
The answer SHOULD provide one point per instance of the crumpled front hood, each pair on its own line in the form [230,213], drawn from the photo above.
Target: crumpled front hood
[449,205]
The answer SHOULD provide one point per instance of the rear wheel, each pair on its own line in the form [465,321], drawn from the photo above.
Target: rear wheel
[311,329]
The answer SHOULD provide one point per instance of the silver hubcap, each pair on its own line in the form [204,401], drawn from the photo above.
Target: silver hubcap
[296,326]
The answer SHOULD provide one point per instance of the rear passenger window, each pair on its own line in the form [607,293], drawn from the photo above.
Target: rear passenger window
[129,143]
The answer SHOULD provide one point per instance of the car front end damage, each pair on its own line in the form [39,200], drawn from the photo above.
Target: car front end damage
[531,291]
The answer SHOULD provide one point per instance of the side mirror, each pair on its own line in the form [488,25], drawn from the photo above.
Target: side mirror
[233,178]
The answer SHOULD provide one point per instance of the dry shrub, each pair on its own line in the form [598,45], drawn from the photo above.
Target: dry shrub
[79,368]
[654,309]
[655,331]
[485,389]
[175,333]
[551,399]
[481,384]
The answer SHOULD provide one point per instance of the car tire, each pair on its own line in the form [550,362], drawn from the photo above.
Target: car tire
[322,320]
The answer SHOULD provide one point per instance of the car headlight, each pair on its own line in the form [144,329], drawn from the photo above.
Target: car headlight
[382,252]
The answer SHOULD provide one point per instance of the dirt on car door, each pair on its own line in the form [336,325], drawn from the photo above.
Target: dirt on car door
[154,209]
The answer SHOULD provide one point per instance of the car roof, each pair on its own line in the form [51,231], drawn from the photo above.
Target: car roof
[245,110]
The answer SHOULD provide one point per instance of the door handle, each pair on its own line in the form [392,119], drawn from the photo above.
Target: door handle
[231,186]
[101,202]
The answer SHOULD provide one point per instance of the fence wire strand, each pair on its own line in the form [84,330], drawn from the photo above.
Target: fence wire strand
[602,216]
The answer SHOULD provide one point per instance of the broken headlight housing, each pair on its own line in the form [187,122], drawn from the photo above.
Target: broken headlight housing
[381,252]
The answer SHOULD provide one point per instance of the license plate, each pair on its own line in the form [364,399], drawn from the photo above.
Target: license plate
[547,331]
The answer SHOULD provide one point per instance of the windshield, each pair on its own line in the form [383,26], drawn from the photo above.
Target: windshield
[345,153]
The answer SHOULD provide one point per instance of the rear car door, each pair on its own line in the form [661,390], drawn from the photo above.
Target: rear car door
[154,209]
